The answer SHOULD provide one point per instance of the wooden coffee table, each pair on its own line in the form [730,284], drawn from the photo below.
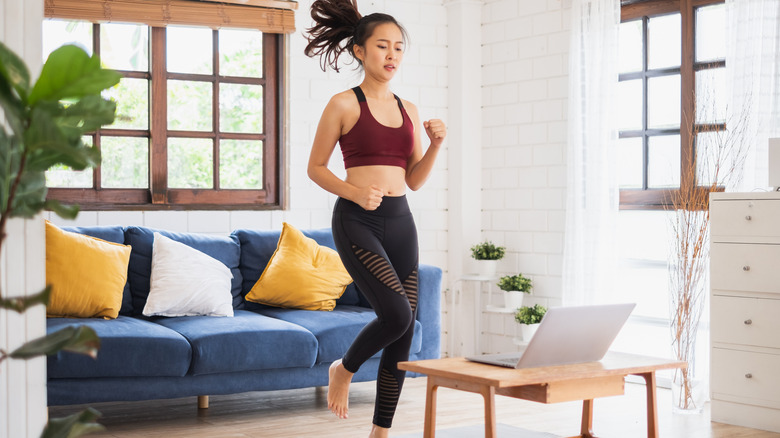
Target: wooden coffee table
[552,384]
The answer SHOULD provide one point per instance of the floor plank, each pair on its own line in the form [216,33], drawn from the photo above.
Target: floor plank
[303,413]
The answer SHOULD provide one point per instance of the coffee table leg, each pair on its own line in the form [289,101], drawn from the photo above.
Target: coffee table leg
[489,393]
[586,431]
[652,408]
[430,409]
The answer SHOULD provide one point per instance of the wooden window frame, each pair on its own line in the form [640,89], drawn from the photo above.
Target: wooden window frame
[659,199]
[158,196]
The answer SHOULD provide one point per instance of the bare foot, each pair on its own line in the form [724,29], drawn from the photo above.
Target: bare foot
[338,389]
[379,432]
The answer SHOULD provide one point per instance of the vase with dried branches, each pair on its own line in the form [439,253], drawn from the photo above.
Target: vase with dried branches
[721,149]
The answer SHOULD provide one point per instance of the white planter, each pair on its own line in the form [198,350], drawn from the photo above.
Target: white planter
[486,268]
[513,299]
[528,331]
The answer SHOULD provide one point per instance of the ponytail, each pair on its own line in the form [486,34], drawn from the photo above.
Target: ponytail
[338,28]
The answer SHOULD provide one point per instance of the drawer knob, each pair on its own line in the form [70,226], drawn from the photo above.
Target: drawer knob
[746,268]
[749,376]
[748,217]
[748,321]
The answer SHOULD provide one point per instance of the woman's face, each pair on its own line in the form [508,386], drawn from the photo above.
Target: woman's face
[382,54]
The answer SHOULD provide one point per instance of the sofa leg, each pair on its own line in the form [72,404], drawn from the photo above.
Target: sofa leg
[203,402]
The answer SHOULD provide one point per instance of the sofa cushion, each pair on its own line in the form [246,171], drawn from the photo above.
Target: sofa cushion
[87,275]
[247,341]
[223,248]
[335,330]
[258,246]
[114,234]
[301,274]
[129,347]
[186,282]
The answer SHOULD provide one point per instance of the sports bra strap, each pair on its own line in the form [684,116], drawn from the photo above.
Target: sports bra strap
[359,93]
[361,97]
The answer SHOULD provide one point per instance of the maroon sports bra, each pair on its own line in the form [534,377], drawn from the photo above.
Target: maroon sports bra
[371,143]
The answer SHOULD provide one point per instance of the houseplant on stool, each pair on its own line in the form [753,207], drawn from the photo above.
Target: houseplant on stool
[487,256]
[529,319]
[514,286]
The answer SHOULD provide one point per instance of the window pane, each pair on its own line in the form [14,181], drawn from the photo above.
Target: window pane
[241,53]
[125,46]
[711,95]
[630,105]
[630,46]
[59,32]
[711,33]
[190,163]
[241,108]
[189,105]
[132,103]
[240,164]
[630,163]
[664,41]
[125,163]
[61,175]
[663,161]
[663,106]
[189,50]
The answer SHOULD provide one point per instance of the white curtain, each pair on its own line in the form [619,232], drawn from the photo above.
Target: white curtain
[590,255]
[753,77]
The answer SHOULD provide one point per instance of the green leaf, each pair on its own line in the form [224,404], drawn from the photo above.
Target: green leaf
[63,211]
[21,304]
[70,72]
[81,339]
[72,426]
[88,114]
[30,196]
[12,107]
[51,141]
[14,72]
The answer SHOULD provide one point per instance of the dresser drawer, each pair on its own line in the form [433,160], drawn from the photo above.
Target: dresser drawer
[750,377]
[745,267]
[745,321]
[747,218]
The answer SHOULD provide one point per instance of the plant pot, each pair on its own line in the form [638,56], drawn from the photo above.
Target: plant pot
[486,268]
[513,299]
[528,330]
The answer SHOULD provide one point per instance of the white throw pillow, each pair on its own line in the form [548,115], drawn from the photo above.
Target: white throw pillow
[187,282]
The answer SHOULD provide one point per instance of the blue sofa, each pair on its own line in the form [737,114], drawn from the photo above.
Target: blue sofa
[261,348]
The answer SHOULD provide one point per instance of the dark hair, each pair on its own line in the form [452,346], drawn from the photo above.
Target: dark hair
[337,21]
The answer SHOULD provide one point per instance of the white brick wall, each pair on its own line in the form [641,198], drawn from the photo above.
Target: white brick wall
[525,71]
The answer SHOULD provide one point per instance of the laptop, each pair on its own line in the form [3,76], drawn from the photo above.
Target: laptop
[567,335]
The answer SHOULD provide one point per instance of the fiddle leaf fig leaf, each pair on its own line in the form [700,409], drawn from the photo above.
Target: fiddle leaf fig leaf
[14,73]
[20,304]
[70,72]
[75,425]
[81,339]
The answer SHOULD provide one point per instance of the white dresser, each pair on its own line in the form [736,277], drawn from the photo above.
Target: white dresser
[745,309]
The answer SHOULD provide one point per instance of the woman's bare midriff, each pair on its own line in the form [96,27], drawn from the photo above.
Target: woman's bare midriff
[390,179]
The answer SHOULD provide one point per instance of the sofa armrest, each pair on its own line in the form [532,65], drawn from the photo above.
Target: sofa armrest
[429,310]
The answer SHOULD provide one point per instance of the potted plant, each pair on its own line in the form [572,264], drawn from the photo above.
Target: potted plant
[515,287]
[44,126]
[529,318]
[487,256]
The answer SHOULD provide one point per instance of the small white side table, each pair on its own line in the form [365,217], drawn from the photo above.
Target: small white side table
[478,280]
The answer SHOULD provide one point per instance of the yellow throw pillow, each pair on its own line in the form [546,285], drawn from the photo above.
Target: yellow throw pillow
[301,275]
[87,274]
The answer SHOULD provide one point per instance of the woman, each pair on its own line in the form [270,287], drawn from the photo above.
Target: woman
[374,231]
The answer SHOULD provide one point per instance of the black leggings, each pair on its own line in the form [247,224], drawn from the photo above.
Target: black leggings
[379,250]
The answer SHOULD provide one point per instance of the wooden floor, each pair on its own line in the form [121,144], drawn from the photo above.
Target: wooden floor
[303,413]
